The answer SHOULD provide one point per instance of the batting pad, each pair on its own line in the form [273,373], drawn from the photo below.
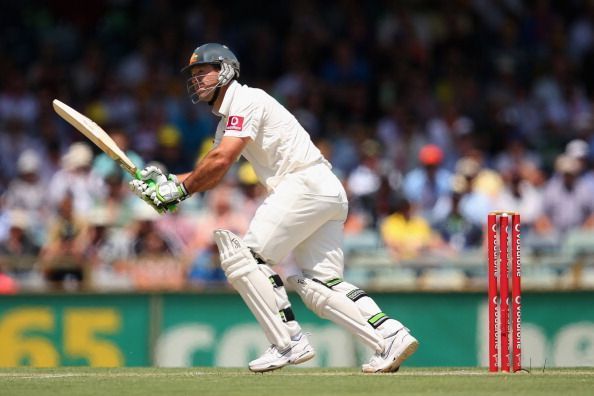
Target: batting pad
[337,307]
[253,285]
[283,305]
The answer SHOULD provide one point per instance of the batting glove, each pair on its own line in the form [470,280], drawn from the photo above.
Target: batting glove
[152,174]
[144,186]
[167,193]
[139,187]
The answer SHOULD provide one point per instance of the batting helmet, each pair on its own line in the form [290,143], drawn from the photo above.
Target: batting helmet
[213,54]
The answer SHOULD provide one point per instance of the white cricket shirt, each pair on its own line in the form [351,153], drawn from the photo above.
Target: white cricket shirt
[279,145]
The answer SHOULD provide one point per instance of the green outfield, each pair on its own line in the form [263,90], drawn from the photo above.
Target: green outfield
[291,381]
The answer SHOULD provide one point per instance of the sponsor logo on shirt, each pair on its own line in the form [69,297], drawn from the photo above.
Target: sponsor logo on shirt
[235,123]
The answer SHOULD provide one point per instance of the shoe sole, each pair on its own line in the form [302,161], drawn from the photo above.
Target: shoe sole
[304,357]
[405,354]
[268,368]
[394,366]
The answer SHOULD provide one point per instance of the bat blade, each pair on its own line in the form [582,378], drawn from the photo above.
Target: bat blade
[95,134]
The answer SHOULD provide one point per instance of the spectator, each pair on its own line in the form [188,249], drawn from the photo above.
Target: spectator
[521,195]
[364,181]
[406,235]
[28,192]
[516,155]
[456,228]
[253,192]
[156,265]
[170,150]
[205,270]
[63,254]
[120,107]
[194,127]
[108,252]
[107,243]
[19,253]
[148,239]
[118,203]
[567,199]
[14,140]
[483,179]
[580,150]
[76,178]
[223,211]
[447,130]
[483,186]
[16,101]
[424,185]
[104,166]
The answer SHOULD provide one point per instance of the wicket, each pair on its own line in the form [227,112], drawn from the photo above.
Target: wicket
[498,282]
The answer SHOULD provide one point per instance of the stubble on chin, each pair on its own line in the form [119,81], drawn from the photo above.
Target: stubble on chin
[206,98]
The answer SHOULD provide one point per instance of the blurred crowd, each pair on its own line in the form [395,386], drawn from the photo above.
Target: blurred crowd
[432,113]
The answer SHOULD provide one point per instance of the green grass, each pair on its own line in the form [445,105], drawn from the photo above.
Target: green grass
[291,381]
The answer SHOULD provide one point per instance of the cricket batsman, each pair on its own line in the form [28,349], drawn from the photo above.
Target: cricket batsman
[304,212]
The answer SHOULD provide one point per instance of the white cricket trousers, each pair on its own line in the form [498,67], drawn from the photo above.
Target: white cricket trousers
[305,214]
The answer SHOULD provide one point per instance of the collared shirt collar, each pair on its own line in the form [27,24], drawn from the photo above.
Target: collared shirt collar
[226,103]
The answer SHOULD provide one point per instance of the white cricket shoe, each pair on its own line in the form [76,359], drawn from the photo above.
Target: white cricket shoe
[399,347]
[300,351]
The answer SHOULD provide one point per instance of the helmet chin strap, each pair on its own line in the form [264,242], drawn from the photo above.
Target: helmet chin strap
[225,76]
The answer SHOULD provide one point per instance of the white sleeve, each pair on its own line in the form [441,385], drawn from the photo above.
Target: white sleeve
[244,119]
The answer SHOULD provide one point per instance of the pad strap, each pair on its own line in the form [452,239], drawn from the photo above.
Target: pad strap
[377,319]
[356,294]
[287,314]
[276,281]
[330,284]
[336,306]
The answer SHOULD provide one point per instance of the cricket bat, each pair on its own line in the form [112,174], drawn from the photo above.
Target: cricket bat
[100,138]
[97,135]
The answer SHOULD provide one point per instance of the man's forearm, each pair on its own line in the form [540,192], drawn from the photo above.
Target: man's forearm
[208,172]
